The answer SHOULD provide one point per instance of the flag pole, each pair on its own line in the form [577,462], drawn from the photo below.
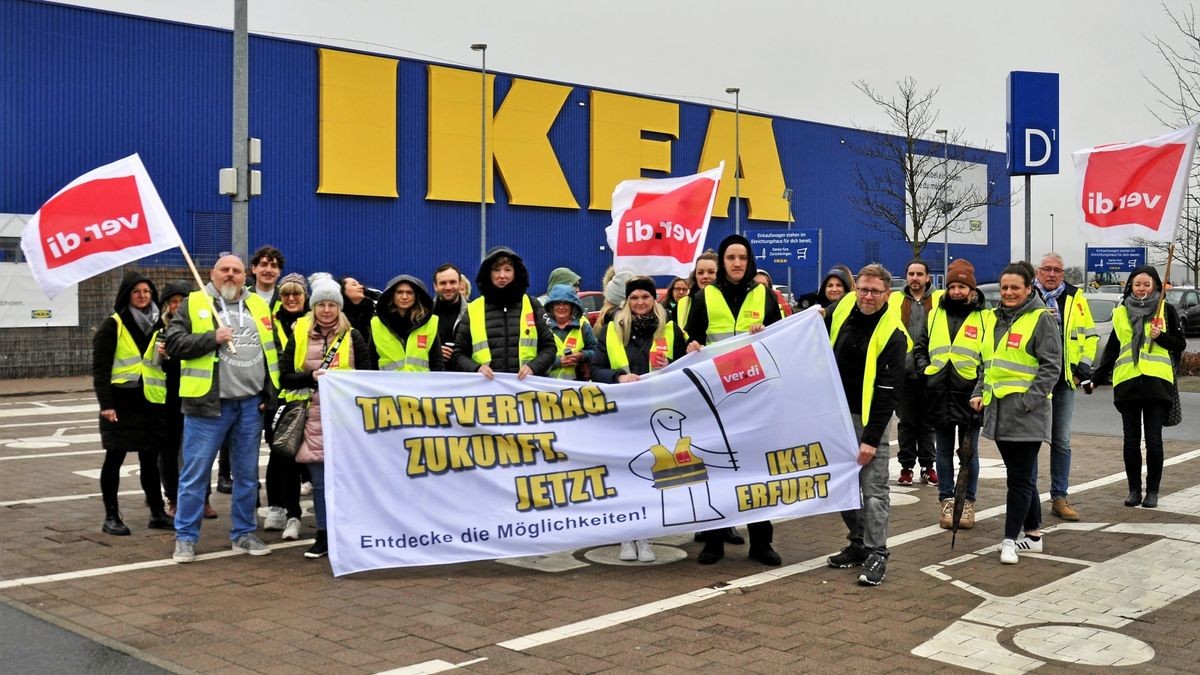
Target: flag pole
[1163,297]
[200,286]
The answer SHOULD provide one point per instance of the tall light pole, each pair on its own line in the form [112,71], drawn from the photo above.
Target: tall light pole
[240,207]
[945,207]
[1052,233]
[737,157]
[483,116]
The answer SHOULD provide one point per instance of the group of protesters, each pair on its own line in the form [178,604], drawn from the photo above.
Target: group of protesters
[182,374]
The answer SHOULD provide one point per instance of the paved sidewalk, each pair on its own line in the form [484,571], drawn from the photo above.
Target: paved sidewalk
[46,385]
[1115,589]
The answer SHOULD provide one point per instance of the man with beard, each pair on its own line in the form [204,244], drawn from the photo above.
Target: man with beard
[914,427]
[505,330]
[223,392]
[449,306]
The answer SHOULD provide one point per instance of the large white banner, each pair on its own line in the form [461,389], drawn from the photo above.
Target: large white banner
[968,181]
[24,305]
[449,467]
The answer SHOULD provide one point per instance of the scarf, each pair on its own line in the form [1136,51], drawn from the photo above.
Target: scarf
[1138,310]
[145,318]
[644,324]
[1051,298]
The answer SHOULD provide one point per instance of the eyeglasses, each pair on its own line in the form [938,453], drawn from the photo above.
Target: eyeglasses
[871,292]
[291,294]
[1051,270]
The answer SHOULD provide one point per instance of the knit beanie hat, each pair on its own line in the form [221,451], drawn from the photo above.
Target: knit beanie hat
[961,271]
[614,292]
[324,289]
[294,278]
[640,283]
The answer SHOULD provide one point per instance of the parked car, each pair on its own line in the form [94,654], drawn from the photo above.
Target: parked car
[787,293]
[1102,306]
[991,293]
[1187,305]
[592,301]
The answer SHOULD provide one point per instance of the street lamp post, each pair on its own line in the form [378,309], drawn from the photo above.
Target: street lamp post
[945,208]
[737,158]
[1052,233]
[483,115]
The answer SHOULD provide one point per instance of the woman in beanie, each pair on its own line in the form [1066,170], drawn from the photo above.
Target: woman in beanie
[949,353]
[640,338]
[703,274]
[404,331]
[733,304]
[322,332]
[573,336]
[131,414]
[283,474]
[1137,360]
[614,295]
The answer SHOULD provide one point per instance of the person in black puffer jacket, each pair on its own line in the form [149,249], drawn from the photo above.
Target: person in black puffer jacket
[511,320]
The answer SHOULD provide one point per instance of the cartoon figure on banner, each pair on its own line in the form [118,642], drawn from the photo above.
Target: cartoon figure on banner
[677,473]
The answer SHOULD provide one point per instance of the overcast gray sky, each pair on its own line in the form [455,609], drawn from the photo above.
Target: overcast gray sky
[789,57]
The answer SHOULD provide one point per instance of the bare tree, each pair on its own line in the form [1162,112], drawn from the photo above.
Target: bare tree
[911,185]
[1177,106]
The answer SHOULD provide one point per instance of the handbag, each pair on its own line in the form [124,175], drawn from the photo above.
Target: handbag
[291,417]
[1175,410]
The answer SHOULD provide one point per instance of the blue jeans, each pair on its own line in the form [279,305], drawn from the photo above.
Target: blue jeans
[316,471]
[1062,406]
[868,525]
[241,421]
[947,438]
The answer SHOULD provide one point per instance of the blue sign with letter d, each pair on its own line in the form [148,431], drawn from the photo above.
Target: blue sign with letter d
[1032,123]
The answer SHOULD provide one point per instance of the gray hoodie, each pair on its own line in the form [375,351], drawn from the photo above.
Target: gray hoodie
[1027,416]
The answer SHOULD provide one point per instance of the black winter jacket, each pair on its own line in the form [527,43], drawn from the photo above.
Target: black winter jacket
[504,323]
[139,424]
[948,394]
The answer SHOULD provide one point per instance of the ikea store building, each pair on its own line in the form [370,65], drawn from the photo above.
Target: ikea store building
[371,164]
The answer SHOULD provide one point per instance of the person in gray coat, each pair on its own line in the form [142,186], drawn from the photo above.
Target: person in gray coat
[1022,360]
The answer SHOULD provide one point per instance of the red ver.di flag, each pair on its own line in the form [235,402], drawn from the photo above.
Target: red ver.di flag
[1134,189]
[106,218]
[659,224]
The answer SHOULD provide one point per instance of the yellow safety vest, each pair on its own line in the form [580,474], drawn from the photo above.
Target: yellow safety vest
[888,323]
[481,353]
[679,468]
[682,308]
[574,342]
[618,359]
[127,360]
[154,379]
[1079,336]
[1009,368]
[964,353]
[721,323]
[196,375]
[395,356]
[1153,360]
[300,334]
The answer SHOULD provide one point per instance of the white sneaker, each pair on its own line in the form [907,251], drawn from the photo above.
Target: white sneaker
[645,552]
[276,519]
[1008,552]
[628,551]
[291,532]
[1024,543]
[305,489]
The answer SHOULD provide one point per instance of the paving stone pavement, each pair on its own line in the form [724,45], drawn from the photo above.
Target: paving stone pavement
[1113,590]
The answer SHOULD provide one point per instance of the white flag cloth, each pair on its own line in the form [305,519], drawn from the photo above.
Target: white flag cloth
[1134,189]
[106,218]
[659,224]
[447,467]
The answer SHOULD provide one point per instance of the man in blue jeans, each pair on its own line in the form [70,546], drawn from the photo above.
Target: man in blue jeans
[1067,304]
[229,372]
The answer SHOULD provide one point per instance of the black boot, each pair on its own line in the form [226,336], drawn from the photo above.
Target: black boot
[320,547]
[732,537]
[1151,500]
[765,555]
[714,549]
[113,523]
[159,520]
[1134,498]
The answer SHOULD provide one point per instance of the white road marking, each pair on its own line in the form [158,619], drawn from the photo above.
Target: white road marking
[44,410]
[47,455]
[435,666]
[40,424]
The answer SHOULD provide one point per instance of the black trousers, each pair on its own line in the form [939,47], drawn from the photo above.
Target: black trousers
[914,431]
[761,534]
[1024,511]
[283,483]
[110,477]
[1147,414]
